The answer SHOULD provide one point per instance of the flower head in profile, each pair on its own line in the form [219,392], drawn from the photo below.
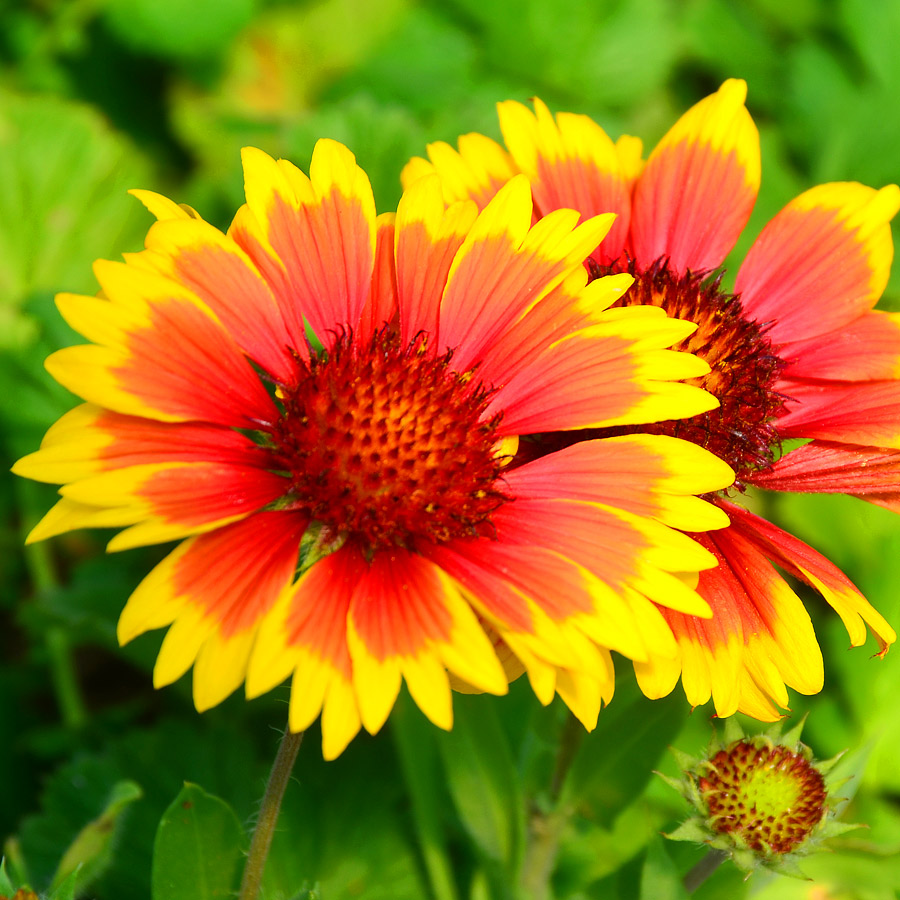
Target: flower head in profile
[762,800]
[796,352]
[325,406]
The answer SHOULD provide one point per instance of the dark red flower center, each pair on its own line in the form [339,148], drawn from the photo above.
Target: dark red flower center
[769,795]
[385,444]
[743,362]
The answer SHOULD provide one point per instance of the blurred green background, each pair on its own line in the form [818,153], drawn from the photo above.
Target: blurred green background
[97,96]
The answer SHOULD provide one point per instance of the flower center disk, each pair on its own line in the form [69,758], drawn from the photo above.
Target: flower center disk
[743,362]
[772,797]
[386,444]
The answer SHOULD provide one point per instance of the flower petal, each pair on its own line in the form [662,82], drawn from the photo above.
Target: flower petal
[306,634]
[804,563]
[89,440]
[567,309]
[167,501]
[615,372]
[699,185]
[648,475]
[213,266]
[428,236]
[474,172]
[866,413]
[223,584]
[822,262]
[312,238]
[622,550]
[867,349]
[758,639]
[153,324]
[819,467]
[504,267]
[382,305]
[409,618]
[572,163]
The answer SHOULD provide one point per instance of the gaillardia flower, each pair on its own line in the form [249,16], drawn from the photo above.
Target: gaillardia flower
[326,406]
[761,800]
[796,352]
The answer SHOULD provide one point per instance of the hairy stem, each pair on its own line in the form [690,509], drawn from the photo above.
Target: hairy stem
[545,829]
[268,814]
[703,869]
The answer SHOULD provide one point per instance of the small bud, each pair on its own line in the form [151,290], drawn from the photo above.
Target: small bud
[762,800]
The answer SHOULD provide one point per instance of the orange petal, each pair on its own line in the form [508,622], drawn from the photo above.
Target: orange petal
[428,237]
[408,618]
[151,324]
[504,267]
[474,172]
[820,467]
[306,635]
[758,640]
[312,238]
[804,563]
[866,413]
[222,584]
[648,475]
[623,550]
[572,163]
[822,262]
[698,188]
[167,501]
[615,372]
[224,277]
[381,307]
[867,349]
[89,440]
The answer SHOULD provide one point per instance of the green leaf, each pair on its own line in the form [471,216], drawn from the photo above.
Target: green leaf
[483,780]
[6,886]
[69,887]
[63,181]
[198,848]
[660,879]
[178,30]
[616,51]
[419,762]
[615,762]
[91,851]
[741,46]
[873,29]
[344,828]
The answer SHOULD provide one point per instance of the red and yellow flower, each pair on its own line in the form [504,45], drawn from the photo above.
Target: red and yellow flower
[325,406]
[797,352]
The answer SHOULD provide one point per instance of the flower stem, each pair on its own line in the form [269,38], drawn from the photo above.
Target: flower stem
[703,869]
[545,829]
[268,814]
[44,577]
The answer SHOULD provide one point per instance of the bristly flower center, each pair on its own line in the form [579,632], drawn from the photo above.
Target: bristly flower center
[770,796]
[386,444]
[744,366]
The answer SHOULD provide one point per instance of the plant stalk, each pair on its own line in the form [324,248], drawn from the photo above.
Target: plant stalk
[545,829]
[268,814]
[703,869]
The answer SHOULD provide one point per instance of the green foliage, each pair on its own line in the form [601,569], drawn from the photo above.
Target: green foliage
[481,778]
[615,762]
[6,886]
[91,851]
[198,848]
[660,878]
[63,181]
[98,97]
[178,30]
